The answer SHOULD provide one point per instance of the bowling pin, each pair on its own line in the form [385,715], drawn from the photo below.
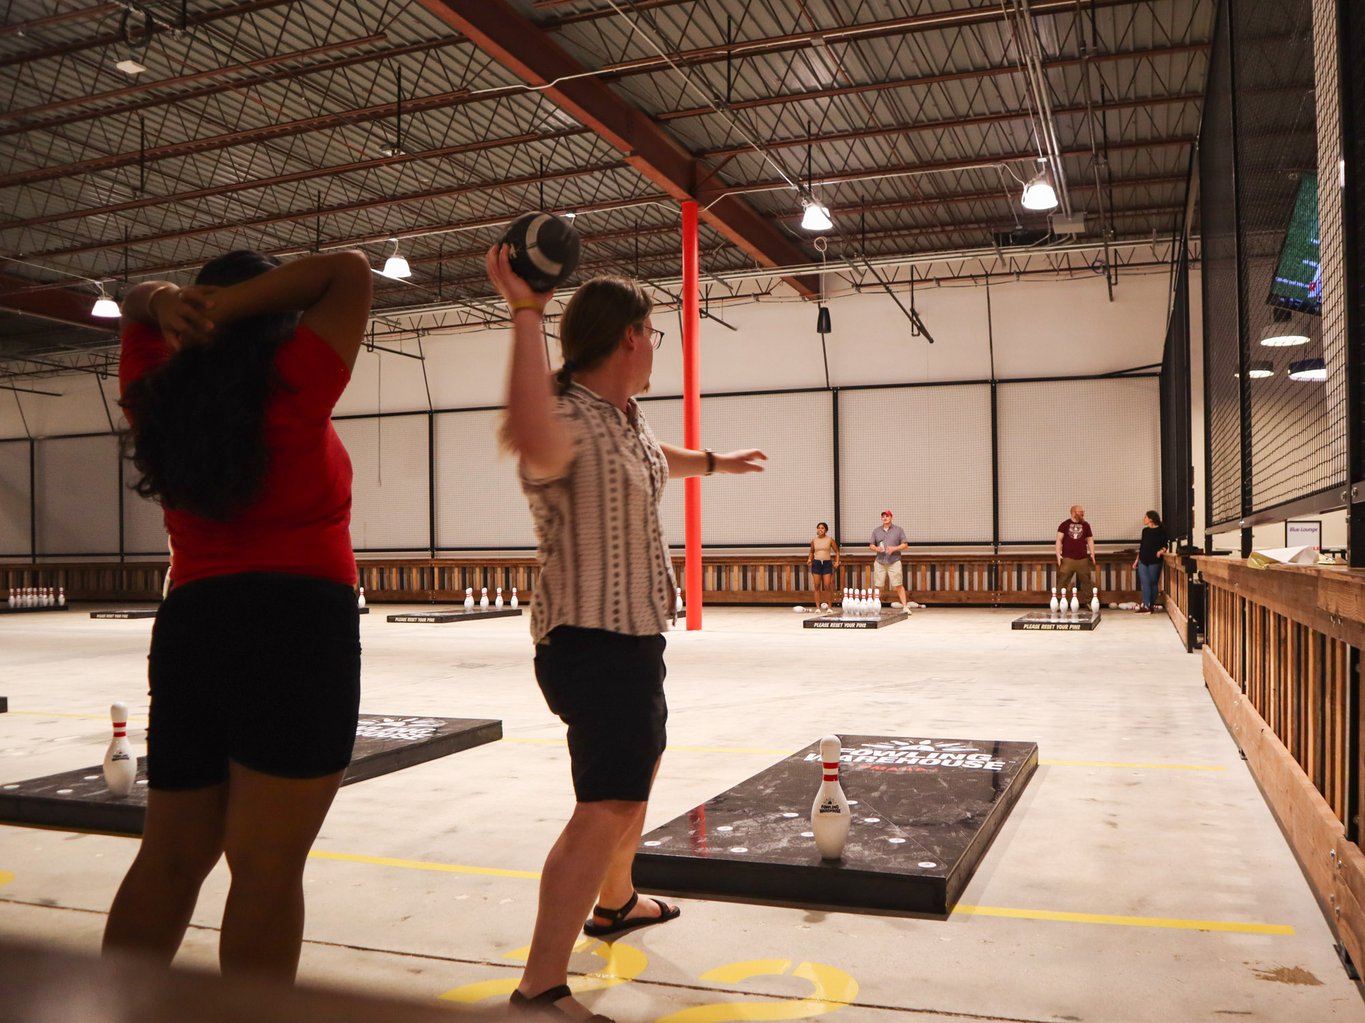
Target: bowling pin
[11,596]
[120,767]
[360,600]
[1075,604]
[469,598]
[1052,604]
[876,601]
[498,602]
[61,596]
[677,599]
[829,815]
[515,601]
[483,598]
[1095,600]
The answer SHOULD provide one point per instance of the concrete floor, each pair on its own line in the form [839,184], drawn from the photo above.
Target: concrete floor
[1141,826]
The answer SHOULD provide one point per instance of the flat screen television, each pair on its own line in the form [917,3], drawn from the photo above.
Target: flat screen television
[1297,283]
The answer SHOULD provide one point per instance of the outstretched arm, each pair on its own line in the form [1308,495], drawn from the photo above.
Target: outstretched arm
[683,462]
[545,450]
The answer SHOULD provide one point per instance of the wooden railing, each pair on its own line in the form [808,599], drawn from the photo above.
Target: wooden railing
[727,579]
[1280,663]
[1182,599]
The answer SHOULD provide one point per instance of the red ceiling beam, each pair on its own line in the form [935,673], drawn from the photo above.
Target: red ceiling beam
[23,28]
[528,52]
[923,80]
[51,302]
[292,177]
[109,38]
[189,79]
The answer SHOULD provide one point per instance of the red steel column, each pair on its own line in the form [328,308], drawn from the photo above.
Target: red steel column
[691,328]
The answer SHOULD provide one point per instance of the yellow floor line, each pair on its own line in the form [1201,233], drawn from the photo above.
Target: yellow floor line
[1230,926]
[787,752]
[1234,927]
[1145,767]
[447,868]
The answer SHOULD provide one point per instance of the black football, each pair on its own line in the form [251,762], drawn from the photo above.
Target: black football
[544,249]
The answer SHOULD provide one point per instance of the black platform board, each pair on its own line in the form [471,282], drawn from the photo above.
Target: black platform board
[132,612]
[926,811]
[455,614]
[5,609]
[1058,621]
[363,610]
[4,704]
[79,799]
[834,621]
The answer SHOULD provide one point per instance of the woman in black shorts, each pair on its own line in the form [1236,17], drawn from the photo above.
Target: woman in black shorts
[593,474]
[254,667]
[822,560]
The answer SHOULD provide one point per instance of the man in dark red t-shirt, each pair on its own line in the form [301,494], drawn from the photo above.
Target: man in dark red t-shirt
[1076,554]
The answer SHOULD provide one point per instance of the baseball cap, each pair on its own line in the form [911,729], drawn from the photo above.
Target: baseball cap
[888,512]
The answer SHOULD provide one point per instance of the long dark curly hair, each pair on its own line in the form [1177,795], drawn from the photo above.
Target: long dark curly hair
[198,421]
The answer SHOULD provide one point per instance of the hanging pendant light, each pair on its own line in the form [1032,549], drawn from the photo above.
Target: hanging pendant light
[1039,193]
[105,307]
[1279,333]
[816,217]
[396,266]
[1311,370]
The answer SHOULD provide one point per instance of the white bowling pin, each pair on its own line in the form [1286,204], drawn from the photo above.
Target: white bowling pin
[11,596]
[829,815]
[483,598]
[515,601]
[677,599]
[469,598]
[498,602]
[360,600]
[1095,600]
[1052,604]
[120,766]
[61,596]
[876,601]
[1075,604]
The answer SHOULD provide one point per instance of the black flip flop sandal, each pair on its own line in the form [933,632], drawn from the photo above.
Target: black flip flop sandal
[620,925]
[543,1005]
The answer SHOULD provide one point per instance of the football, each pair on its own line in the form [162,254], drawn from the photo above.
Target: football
[544,249]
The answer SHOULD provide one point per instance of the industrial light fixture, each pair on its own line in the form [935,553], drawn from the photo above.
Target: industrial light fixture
[130,67]
[1039,193]
[569,214]
[1259,369]
[396,266]
[1279,335]
[816,217]
[1308,369]
[105,307]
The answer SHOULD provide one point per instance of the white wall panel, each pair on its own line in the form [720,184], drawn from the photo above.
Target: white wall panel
[1095,443]
[479,502]
[14,499]
[144,528]
[389,493]
[77,495]
[922,452]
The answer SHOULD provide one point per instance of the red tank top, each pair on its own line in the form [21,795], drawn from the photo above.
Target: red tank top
[301,522]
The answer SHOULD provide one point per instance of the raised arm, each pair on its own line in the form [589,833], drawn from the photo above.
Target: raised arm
[544,449]
[683,462]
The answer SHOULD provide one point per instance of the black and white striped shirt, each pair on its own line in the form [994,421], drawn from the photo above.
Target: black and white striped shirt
[603,560]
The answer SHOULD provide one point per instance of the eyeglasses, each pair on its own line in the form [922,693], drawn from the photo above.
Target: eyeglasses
[656,337]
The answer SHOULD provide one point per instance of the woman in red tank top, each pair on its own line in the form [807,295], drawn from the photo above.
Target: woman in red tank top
[254,667]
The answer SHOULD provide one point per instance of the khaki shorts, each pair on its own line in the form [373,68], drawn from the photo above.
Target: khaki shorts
[889,576]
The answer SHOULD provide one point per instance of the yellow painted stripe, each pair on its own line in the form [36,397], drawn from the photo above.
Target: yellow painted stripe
[1145,767]
[1235,927]
[446,868]
[1170,923]
[787,752]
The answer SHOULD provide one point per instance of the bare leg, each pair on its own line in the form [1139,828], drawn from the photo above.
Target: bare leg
[573,876]
[619,885]
[905,601]
[182,839]
[271,825]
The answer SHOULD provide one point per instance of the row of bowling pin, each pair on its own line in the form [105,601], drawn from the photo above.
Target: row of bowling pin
[483,599]
[862,603]
[37,596]
[1073,604]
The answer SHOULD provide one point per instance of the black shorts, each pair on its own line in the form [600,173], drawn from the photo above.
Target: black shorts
[609,689]
[260,668]
[818,567]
